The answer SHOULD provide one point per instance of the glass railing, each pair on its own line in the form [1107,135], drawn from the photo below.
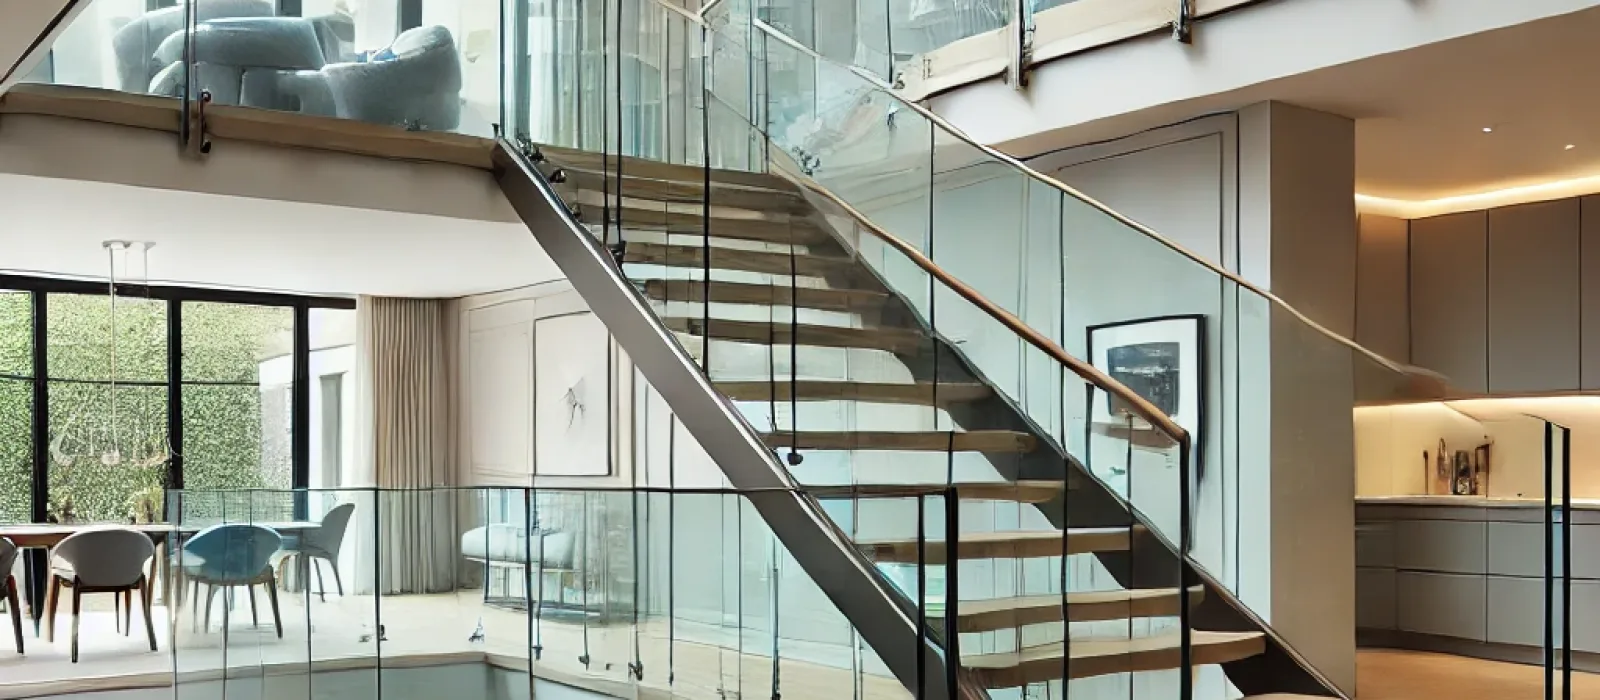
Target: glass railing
[420,65]
[890,38]
[925,47]
[411,592]
[889,304]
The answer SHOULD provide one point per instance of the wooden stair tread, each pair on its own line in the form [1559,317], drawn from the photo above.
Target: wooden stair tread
[920,393]
[1010,491]
[729,194]
[1098,657]
[1286,696]
[851,300]
[736,259]
[895,340]
[724,224]
[1082,606]
[643,168]
[1003,545]
[1007,441]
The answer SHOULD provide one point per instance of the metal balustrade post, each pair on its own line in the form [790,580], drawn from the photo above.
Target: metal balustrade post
[1183,23]
[1019,43]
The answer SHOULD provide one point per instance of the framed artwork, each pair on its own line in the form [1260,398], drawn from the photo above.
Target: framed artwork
[1161,359]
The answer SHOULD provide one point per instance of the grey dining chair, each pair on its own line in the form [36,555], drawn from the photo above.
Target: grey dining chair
[8,561]
[101,560]
[319,544]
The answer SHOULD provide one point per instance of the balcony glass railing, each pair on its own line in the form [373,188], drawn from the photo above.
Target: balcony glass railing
[421,65]
[412,592]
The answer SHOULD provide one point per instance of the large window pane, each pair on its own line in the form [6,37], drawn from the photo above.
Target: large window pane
[234,342]
[78,336]
[238,377]
[16,451]
[16,334]
[108,450]
[16,407]
[108,444]
[237,436]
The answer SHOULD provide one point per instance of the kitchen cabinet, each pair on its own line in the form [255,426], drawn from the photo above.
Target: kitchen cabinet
[1533,297]
[1449,304]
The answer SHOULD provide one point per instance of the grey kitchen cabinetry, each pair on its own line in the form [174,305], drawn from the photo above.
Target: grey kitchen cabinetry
[1507,301]
[1449,306]
[1472,574]
[1533,297]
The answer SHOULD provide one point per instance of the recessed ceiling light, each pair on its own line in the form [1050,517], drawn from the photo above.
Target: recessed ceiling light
[1488,129]
[1570,147]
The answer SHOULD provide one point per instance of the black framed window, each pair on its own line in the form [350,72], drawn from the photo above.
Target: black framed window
[237,388]
[108,445]
[210,388]
[16,407]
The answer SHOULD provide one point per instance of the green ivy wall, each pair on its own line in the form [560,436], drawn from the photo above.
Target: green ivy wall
[235,429]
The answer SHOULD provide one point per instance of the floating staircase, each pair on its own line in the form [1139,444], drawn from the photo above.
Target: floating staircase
[788,323]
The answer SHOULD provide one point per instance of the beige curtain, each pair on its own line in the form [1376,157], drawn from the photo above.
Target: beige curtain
[406,368]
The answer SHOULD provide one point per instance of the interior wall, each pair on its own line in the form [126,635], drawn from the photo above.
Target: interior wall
[1396,445]
[1391,440]
[539,396]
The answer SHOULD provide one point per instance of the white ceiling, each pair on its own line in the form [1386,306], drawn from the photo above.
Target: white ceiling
[1420,113]
[55,226]
[21,21]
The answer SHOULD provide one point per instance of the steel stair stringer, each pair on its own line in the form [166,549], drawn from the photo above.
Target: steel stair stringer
[883,617]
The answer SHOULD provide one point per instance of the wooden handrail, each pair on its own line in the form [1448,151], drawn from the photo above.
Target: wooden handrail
[1089,373]
[1068,190]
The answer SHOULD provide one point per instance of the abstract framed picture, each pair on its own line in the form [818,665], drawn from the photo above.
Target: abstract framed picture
[1161,359]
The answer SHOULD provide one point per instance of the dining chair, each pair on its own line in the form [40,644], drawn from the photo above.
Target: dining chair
[8,561]
[100,560]
[318,544]
[224,557]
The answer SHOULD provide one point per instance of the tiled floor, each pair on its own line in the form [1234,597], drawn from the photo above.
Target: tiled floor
[1383,674]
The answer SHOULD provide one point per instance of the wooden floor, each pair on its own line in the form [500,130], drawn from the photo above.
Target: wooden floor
[1383,674]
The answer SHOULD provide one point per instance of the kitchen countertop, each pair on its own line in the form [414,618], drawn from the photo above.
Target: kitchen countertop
[1470,502]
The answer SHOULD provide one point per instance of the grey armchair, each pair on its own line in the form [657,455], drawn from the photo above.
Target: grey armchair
[242,61]
[104,560]
[415,83]
[135,44]
[8,561]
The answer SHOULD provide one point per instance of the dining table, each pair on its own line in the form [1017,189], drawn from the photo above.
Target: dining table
[45,536]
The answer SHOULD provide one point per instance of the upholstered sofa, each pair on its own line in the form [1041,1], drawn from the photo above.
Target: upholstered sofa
[505,544]
[245,56]
[135,43]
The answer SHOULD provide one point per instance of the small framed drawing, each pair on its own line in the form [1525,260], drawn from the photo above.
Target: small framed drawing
[1161,359]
